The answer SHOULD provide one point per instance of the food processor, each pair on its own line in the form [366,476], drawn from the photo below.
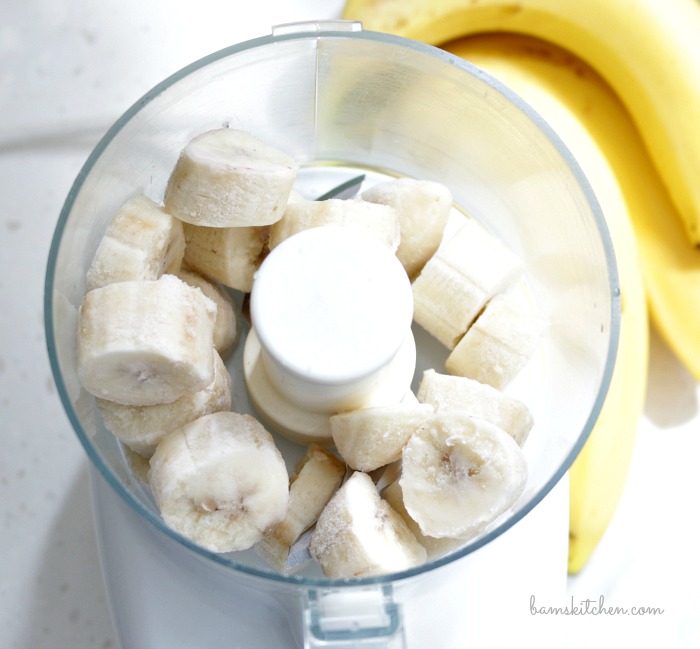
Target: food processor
[346,102]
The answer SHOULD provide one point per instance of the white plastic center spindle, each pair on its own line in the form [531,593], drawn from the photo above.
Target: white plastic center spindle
[332,307]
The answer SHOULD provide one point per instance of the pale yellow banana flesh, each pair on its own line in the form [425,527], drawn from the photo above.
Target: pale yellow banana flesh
[559,87]
[228,178]
[358,534]
[315,480]
[423,208]
[141,242]
[647,50]
[379,220]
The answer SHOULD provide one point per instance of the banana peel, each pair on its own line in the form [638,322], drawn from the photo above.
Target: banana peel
[670,266]
[565,93]
[647,50]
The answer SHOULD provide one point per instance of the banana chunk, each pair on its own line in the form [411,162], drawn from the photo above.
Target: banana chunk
[220,481]
[447,392]
[141,428]
[359,535]
[434,547]
[370,438]
[316,479]
[141,242]
[145,342]
[228,255]
[423,207]
[457,281]
[226,323]
[229,178]
[381,221]
[459,474]
[500,342]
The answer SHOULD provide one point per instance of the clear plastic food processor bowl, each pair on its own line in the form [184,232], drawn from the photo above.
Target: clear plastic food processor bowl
[344,101]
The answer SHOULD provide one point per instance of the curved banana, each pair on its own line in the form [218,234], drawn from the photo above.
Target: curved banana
[649,52]
[670,268]
[567,94]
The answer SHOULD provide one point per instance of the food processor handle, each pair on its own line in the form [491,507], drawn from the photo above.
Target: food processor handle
[365,617]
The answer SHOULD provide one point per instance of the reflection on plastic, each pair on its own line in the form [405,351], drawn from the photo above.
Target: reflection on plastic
[364,617]
[317,27]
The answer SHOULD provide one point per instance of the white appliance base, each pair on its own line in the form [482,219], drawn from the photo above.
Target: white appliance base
[162,596]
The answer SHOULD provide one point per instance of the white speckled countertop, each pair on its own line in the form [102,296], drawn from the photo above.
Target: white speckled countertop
[68,68]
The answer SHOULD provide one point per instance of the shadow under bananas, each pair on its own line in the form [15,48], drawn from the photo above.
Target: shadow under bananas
[672,394]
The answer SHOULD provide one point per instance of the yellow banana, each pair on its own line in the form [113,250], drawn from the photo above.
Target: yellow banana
[648,50]
[670,268]
[567,94]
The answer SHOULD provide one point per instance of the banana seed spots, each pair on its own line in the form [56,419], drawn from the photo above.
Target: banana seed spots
[381,519]
[210,505]
[142,374]
[458,467]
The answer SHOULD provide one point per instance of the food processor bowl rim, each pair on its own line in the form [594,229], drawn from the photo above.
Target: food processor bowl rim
[315,29]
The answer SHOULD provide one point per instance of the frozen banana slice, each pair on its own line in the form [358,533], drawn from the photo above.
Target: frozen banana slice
[140,428]
[145,342]
[316,479]
[228,178]
[457,281]
[359,535]
[141,242]
[459,474]
[220,481]
[373,437]
[447,392]
[500,342]
[423,207]
[381,221]
[434,547]
[228,255]
[226,323]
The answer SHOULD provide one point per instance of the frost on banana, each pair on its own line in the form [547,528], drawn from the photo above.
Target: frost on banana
[226,324]
[370,438]
[459,474]
[500,342]
[423,208]
[220,481]
[228,255]
[229,178]
[316,478]
[141,242]
[434,547]
[360,535]
[145,342]
[140,428]
[379,220]
[446,392]
[468,269]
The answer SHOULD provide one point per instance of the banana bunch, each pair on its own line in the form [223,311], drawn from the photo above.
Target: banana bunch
[565,93]
[618,81]
[647,50]
[642,59]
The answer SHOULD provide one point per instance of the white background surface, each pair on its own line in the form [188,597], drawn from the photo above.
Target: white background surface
[67,70]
